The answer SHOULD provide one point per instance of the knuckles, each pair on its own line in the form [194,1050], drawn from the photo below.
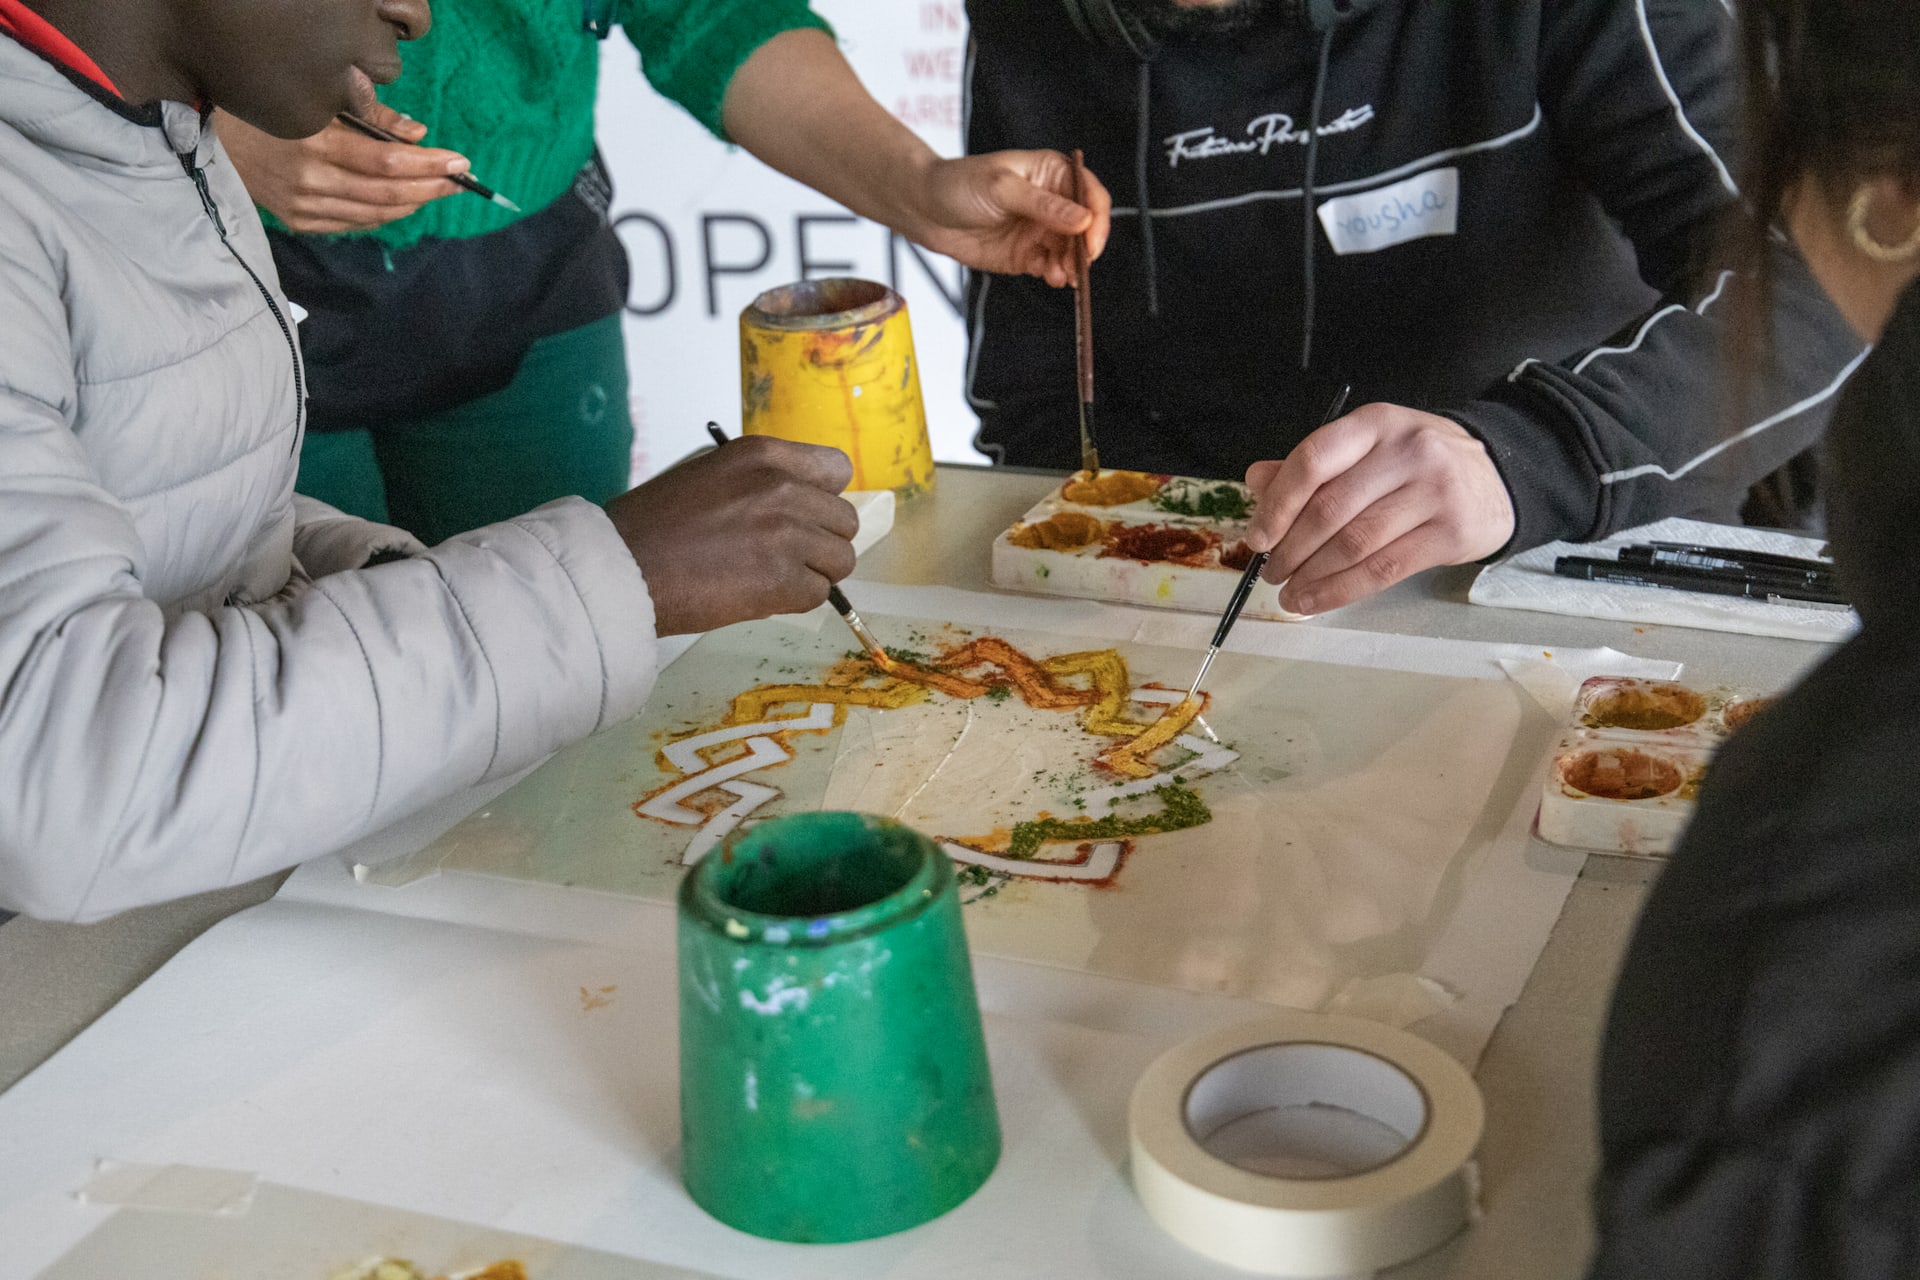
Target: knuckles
[1355,539]
[1312,459]
[1384,568]
[1429,450]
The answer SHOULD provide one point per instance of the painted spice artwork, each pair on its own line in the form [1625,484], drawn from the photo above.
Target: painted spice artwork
[1123,760]
[1300,830]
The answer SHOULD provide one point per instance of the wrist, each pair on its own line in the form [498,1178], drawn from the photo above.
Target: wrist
[1503,434]
[915,212]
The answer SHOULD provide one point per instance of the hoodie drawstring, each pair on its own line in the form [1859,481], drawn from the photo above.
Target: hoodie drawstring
[1140,181]
[1307,237]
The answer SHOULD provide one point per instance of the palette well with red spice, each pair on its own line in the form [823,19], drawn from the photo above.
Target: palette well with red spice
[1131,537]
[1626,773]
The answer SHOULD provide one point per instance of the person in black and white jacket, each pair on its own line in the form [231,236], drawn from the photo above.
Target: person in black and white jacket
[1497,220]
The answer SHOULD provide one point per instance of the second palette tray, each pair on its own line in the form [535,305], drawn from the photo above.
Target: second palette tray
[1626,773]
[1132,537]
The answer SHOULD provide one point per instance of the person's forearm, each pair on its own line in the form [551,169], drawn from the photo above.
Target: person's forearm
[798,106]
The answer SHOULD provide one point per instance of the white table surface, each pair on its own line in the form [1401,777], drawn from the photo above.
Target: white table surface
[1538,1153]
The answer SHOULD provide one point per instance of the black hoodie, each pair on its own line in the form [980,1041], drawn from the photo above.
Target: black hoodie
[1760,1081]
[1580,151]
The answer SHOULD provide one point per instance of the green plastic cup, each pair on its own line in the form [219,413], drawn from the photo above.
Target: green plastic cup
[833,1074]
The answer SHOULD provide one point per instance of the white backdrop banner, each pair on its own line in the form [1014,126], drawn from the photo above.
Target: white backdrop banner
[708,227]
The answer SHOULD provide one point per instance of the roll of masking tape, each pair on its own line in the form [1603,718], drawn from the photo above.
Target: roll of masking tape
[1307,1144]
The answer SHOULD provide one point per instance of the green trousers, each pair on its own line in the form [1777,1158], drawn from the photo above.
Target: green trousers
[561,427]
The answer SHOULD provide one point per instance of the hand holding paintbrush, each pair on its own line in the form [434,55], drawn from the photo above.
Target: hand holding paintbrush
[344,178]
[1251,575]
[835,596]
[465,181]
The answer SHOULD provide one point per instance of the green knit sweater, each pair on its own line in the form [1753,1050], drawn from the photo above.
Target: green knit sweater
[510,84]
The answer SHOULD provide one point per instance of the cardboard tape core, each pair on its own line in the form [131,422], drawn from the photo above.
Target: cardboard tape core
[1305,1111]
[1307,1145]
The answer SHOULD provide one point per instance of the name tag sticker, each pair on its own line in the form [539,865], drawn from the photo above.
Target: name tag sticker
[1427,204]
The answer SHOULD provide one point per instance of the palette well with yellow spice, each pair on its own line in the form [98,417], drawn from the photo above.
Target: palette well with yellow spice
[1173,542]
[1626,774]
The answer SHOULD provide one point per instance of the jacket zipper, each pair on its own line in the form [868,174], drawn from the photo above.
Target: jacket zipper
[199,177]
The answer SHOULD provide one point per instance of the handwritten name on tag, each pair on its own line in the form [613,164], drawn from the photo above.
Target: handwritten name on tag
[1427,204]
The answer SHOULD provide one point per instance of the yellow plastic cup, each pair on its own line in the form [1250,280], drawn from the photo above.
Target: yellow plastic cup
[831,362]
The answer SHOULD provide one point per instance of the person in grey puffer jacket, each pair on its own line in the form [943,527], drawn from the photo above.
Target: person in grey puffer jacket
[202,677]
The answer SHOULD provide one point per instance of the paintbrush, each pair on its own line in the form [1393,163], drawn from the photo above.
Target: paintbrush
[466,180]
[1251,574]
[1083,324]
[835,596]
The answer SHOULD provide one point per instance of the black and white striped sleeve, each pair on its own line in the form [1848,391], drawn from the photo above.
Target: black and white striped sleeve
[1644,102]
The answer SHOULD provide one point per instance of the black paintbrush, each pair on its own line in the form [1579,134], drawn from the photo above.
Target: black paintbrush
[465,180]
[835,596]
[1251,574]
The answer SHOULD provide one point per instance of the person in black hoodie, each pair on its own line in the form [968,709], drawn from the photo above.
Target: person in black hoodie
[1760,1077]
[1495,219]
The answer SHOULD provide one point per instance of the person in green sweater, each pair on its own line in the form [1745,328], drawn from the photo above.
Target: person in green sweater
[464,361]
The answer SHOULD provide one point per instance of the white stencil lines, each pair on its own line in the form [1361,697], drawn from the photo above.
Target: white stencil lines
[748,796]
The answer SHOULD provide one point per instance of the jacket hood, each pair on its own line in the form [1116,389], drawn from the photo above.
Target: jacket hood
[89,126]
[1874,454]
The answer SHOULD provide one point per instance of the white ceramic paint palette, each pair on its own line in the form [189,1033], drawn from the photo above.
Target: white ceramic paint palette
[1624,777]
[1128,536]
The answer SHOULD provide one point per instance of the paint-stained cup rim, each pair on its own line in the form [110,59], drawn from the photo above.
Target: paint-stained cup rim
[711,896]
[832,302]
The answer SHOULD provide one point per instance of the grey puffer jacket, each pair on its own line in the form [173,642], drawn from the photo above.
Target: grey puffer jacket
[199,680]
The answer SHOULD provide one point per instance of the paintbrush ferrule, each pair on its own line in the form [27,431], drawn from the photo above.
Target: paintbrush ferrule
[844,607]
[1207,662]
[1089,452]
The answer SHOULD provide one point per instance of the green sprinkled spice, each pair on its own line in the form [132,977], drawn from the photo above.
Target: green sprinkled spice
[1180,808]
[1224,501]
[979,878]
[998,692]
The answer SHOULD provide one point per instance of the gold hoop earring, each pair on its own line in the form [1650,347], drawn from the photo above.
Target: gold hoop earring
[1863,238]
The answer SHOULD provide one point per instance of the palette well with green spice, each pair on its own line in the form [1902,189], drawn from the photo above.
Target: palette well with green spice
[1132,537]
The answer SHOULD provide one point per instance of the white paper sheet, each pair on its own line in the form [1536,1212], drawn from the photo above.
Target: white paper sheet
[457,1072]
[489,1052]
[1355,813]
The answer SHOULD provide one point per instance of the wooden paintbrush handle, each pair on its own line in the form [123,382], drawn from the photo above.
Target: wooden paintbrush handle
[1082,290]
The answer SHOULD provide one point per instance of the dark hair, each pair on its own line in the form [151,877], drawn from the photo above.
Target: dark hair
[1833,95]
[1833,99]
